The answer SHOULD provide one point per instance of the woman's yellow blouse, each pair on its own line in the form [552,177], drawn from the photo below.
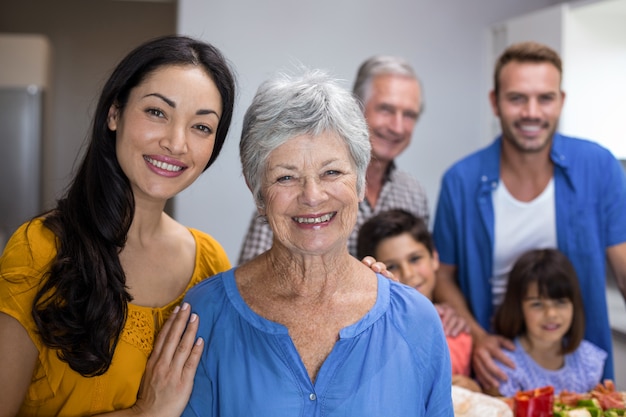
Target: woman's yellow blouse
[55,388]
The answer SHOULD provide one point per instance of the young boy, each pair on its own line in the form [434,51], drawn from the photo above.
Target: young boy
[403,243]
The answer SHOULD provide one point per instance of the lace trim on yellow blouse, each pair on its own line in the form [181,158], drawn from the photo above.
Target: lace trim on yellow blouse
[143,324]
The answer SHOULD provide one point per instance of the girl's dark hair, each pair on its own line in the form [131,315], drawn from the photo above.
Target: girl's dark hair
[81,307]
[391,223]
[556,278]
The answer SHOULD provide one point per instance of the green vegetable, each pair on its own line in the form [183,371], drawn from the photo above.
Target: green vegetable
[591,403]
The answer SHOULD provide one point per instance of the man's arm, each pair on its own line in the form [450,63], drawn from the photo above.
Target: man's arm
[617,262]
[446,291]
[487,347]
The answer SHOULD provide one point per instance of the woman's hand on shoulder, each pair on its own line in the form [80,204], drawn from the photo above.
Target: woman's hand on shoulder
[379,267]
[170,371]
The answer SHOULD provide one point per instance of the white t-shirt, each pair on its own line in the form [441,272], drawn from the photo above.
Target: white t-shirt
[519,227]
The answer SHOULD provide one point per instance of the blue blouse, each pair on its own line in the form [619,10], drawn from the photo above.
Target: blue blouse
[394,361]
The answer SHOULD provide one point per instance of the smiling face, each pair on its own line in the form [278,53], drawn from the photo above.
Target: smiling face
[529,104]
[410,261]
[309,188]
[166,132]
[392,108]
[547,320]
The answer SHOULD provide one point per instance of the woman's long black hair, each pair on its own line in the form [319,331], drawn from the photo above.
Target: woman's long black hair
[81,307]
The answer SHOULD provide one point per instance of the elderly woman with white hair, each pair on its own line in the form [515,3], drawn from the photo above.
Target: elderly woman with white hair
[306,329]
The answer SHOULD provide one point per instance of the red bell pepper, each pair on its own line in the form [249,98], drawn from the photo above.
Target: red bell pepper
[534,403]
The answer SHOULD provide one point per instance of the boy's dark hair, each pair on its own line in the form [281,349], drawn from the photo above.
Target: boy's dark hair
[389,224]
[556,278]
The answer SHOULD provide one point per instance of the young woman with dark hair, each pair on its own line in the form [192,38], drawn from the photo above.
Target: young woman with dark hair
[86,287]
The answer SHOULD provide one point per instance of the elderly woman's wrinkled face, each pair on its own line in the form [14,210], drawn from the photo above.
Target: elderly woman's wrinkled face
[310,193]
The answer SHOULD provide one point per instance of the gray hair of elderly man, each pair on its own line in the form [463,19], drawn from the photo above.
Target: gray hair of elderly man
[381,65]
[287,106]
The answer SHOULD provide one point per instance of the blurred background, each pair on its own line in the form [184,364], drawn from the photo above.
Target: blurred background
[55,56]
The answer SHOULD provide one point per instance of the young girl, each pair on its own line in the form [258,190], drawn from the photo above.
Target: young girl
[543,313]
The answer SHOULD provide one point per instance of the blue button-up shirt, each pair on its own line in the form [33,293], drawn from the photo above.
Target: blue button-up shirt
[590,203]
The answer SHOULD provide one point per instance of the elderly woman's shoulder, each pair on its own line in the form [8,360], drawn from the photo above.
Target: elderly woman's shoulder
[415,317]
[210,289]
[410,301]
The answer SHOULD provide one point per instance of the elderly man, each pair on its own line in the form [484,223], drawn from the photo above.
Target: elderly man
[391,95]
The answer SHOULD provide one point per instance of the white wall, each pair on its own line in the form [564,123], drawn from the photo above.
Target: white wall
[595,55]
[444,40]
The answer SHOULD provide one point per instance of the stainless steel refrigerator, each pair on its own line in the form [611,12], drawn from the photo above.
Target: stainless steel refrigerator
[21,112]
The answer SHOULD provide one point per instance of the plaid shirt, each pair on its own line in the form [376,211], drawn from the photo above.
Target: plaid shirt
[400,191]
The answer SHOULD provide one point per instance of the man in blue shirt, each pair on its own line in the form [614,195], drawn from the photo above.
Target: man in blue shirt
[531,188]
